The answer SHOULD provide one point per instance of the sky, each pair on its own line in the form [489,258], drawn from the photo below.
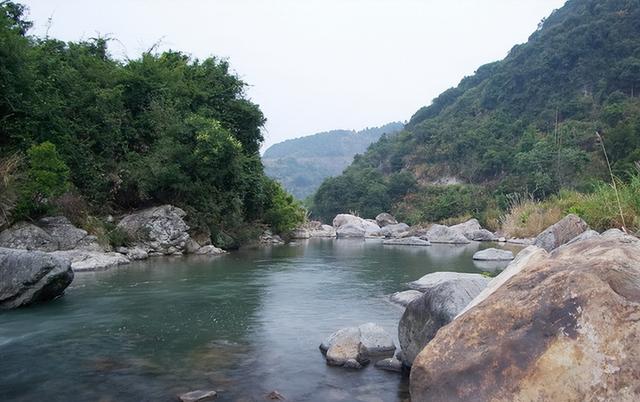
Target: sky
[312,65]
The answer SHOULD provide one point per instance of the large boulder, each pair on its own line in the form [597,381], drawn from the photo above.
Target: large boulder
[50,234]
[27,236]
[444,234]
[345,219]
[350,231]
[563,328]
[353,347]
[28,277]
[467,227]
[493,254]
[385,219]
[395,230]
[158,230]
[349,225]
[445,295]
[324,231]
[561,232]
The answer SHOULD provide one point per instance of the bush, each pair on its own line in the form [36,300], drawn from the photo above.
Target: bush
[47,177]
[284,212]
[9,168]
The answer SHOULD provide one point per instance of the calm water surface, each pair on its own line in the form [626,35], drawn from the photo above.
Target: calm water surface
[243,324]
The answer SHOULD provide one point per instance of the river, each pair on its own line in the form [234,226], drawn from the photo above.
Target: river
[243,324]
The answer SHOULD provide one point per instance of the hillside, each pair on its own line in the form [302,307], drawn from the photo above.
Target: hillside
[301,164]
[523,125]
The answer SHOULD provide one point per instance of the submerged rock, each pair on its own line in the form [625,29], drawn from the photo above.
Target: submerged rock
[385,219]
[406,241]
[198,396]
[493,254]
[28,277]
[445,295]
[563,328]
[357,344]
[561,232]
[444,234]
[405,297]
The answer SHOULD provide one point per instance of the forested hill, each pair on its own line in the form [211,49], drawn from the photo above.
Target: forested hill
[526,124]
[88,135]
[301,164]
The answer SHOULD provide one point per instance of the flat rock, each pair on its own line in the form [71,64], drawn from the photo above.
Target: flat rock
[561,232]
[87,260]
[493,254]
[445,295]
[444,234]
[198,396]
[563,328]
[389,364]
[406,241]
[405,297]
[28,277]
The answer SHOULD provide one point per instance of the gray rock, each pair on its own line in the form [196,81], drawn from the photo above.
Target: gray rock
[323,231]
[67,235]
[481,235]
[395,230]
[300,233]
[446,294]
[589,234]
[444,234]
[561,232]
[192,246]
[406,241]
[521,242]
[158,230]
[27,236]
[385,219]
[88,260]
[136,253]
[467,227]
[375,341]
[28,277]
[344,345]
[493,254]
[612,233]
[350,231]
[198,396]
[268,237]
[390,364]
[352,364]
[405,297]
[210,250]
[344,219]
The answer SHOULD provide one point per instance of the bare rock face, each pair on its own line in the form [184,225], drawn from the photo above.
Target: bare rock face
[561,232]
[28,277]
[563,328]
[445,295]
[385,219]
[158,230]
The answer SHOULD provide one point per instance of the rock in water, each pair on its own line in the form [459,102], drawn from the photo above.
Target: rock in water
[446,294]
[86,260]
[357,344]
[375,341]
[344,345]
[563,328]
[300,233]
[444,234]
[351,226]
[493,254]
[28,277]
[561,232]
[385,219]
[198,396]
[406,241]
[390,364]
[350,231]
[405,297]
[158,230]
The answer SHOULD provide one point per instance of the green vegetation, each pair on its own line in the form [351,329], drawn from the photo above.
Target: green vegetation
[113,136]
[523,125]
[301,164]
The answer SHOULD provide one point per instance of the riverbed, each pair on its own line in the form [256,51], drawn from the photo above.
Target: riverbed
[243,324]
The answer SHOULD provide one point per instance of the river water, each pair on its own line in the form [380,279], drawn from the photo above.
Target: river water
[243,324]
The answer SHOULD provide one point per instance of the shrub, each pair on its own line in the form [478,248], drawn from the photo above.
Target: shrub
[8,187]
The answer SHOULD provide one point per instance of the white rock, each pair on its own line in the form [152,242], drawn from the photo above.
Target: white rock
[443,234]
[406,241]
[493,254]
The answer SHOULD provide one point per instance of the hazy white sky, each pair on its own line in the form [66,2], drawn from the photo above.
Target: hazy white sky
[315,65]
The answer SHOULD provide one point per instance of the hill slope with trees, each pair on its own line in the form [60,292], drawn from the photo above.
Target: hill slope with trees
[523,125]
[301,164]
[85,134]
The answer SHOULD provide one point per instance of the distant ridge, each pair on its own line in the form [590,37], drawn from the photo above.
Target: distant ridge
[301,164]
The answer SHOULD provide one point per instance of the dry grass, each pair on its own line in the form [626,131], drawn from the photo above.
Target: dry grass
[8,182]
[527,217]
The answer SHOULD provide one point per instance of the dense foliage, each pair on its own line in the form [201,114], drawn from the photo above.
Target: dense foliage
[301,164]
[162,128]
[526,124]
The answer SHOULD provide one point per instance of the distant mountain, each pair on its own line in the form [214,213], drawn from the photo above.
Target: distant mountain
[301,164]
